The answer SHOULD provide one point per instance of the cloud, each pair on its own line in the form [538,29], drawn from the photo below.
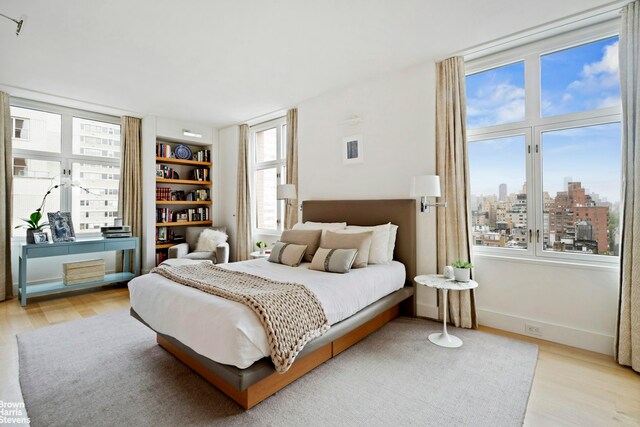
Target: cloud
[496,103]
[600,76]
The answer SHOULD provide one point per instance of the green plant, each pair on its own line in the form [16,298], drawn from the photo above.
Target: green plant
[462,264]
[33,222]
[261,245]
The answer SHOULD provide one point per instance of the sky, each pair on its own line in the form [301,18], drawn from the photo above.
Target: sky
[572,80]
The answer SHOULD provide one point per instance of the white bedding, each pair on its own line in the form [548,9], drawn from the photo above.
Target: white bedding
[229,332]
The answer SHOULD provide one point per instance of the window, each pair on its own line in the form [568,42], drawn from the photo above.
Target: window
[268,159]
[544,152]
[49,150]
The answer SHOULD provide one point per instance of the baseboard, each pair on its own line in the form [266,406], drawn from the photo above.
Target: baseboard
[587,340]
[427,310]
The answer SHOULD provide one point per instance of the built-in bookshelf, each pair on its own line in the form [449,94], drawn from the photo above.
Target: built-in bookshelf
[183,194]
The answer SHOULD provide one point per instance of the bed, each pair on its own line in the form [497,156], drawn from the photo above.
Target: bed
[241,369]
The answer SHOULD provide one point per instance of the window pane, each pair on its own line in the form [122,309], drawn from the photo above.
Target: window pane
[266,202]
[99,207]
[498,200]
[267,145]
[496,96]
[93,138]
[581,78]
[31,180]
[36,130]
[581,185]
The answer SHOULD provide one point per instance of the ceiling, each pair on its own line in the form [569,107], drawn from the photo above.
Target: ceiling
[223,62]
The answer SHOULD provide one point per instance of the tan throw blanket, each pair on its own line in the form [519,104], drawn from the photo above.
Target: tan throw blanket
[290,313]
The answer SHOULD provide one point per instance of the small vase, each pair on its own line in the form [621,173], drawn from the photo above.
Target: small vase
[261,251]
[30,239]
[462,274]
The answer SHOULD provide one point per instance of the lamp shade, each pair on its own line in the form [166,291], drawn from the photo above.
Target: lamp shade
[286,191]
[425,186]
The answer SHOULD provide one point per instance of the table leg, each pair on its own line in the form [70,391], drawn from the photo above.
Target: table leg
[443,339]
[22,280]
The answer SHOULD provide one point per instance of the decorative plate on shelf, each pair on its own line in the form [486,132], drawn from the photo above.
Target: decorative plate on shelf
[182,152]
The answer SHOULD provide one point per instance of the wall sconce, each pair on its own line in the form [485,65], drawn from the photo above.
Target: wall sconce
[425,186]
[286,192]
[18,23]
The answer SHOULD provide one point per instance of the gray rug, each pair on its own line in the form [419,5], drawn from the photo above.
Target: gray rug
[107,370]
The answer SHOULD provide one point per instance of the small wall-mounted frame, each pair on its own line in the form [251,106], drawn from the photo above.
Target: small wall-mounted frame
[352,149]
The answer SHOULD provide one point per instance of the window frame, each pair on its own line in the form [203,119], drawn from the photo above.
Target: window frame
[66,156]
[280,164]
[534,125]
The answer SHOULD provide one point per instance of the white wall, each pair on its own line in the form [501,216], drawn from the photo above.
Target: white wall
[397,123]
[573,306]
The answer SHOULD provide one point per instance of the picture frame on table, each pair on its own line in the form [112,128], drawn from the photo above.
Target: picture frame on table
[352,149]
[40,238]
[61,227]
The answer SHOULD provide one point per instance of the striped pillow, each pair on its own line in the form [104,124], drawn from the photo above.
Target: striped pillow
[334,260]
[287,254]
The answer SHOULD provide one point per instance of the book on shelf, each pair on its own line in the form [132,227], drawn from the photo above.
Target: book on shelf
[163,150]
[200,174]
[163,193]
[202,156]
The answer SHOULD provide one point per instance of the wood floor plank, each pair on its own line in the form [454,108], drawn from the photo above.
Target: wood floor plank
[571,387]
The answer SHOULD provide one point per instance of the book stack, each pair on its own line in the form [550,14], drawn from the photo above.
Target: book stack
[201,174]
[163,150]
[164,215]
[163,193]
[116,231]
[202,156]
[75,273]
[164,234]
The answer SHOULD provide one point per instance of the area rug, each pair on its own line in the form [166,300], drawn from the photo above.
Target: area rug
[107,370]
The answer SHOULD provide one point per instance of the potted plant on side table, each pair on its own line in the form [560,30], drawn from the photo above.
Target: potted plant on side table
[462,270]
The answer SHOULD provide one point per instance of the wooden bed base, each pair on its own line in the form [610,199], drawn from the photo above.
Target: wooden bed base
[268,386]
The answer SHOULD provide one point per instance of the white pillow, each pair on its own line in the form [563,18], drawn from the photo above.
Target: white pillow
[209,239]
[324,226]
[379,250]
[393,232]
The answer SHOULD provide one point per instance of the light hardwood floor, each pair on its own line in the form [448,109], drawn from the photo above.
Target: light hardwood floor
[571,387]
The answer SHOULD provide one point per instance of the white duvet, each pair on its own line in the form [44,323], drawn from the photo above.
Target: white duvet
[229,332]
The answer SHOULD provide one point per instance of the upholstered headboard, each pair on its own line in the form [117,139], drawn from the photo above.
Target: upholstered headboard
[401,212]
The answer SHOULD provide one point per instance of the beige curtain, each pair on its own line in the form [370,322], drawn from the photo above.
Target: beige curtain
[243,198]
[130,193]
[291,209]
[6,187]
[628,336]
[452,167]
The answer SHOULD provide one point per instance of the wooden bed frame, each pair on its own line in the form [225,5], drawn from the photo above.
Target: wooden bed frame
[265,381]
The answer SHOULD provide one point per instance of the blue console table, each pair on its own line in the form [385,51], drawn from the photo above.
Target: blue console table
[30,251]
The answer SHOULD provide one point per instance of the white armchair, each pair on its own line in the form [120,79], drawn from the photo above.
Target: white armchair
[188,248]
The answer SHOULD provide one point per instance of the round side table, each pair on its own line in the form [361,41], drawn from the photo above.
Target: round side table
[257,254]
[438,281]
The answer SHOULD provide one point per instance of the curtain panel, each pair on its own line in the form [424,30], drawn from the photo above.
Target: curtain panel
[452,167]
[291,208]
[130,189]
[627,349]
[6,187]
[243,198]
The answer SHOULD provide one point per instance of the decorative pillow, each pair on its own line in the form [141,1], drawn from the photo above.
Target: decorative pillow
[287,254]
[209,239]
[379,251]
[311,238]
[393,232]
[333,260]
[359,241]
[324,226]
